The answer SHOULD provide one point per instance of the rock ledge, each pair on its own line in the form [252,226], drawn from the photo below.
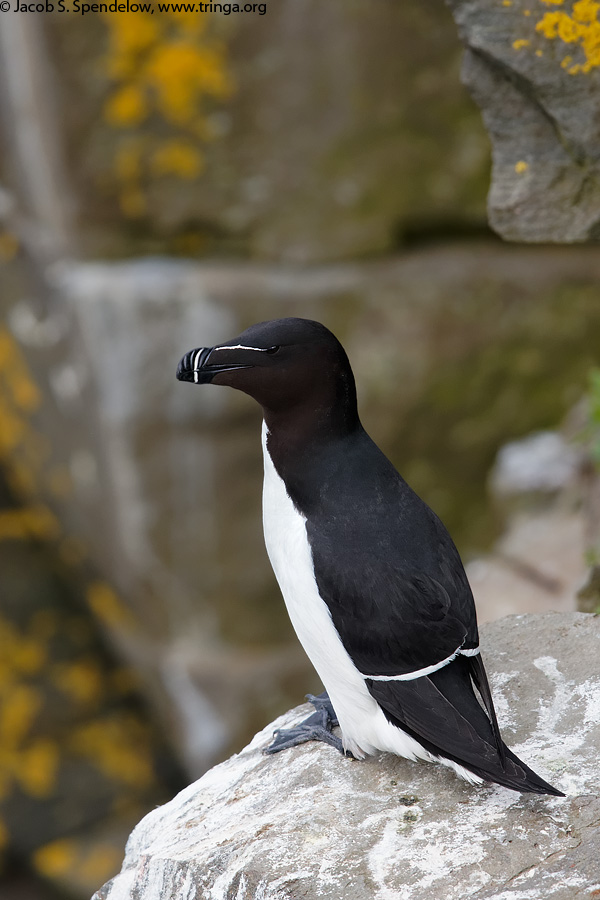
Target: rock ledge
[310,824]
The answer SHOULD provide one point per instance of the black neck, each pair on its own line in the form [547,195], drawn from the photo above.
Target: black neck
[307,444]
[327,414]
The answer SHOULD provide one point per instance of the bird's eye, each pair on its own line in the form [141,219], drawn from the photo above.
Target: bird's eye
[272,350]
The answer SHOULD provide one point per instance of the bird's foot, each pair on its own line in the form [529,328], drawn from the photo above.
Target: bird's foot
[316,728]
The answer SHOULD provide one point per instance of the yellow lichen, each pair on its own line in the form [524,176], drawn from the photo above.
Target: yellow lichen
[23,390]
[19,654]
[118,747]
[28,522]
[38,768]
[106,605]
[12,428]
[581,27]
[9,246]
[180,74]
[80,680]
[17,713]
[127,106]
[25,759]
[22,450]
[74,858]
[177,158]
[165,73]
[517,45]
[29,656]
[585,12]
[30,762]
[100,864]
[56,859]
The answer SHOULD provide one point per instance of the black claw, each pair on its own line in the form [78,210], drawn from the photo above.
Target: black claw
[317,727]
[292,737]
[323,702]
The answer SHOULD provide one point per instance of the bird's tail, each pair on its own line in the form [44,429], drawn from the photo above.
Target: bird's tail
[515,775]
[441,712]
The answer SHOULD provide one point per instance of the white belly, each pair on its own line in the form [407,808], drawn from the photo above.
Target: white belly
[364,726]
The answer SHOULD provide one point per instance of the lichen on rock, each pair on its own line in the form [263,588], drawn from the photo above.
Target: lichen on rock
[533,68]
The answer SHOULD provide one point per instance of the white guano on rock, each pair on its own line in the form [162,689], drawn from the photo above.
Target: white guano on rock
[308,823]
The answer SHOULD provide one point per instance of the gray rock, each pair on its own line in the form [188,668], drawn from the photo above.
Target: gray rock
[541,463]
[537,565]
[308,823]
[540,102]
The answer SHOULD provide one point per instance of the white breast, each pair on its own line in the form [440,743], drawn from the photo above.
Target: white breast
[364,726]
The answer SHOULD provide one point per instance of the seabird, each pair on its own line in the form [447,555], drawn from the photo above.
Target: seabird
[373,583]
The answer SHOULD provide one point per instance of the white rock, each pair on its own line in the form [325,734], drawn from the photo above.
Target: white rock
[309,824]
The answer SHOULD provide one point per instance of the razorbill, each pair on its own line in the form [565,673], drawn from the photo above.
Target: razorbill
[372,581]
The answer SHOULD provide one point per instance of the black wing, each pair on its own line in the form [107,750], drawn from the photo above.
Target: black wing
[384,563]
[392,619]
[400,622]
[442,713]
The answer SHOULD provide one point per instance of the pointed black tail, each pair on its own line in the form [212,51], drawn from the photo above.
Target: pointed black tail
[515,775]
[443,714]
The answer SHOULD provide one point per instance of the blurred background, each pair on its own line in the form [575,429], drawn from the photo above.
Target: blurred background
[166,180]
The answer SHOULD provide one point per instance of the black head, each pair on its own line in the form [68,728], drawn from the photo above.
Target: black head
[292,367]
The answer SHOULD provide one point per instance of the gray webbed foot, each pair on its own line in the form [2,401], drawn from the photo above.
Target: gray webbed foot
[317,727]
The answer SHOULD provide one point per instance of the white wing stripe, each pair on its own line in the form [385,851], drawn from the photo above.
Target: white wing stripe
[409,676]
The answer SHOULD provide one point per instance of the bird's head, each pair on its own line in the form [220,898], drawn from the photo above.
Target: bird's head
[289,366]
